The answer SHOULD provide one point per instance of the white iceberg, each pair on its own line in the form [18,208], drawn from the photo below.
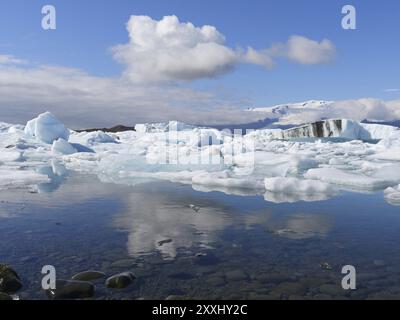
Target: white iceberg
[392,195]
[91,138]
[261,162]
[60,146]
[339,128]
[162,127]
[355,180]
[296,186]
[21,178]
[46,128]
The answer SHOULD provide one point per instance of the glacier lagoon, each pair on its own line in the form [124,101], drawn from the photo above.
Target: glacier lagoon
[201,213]
[234,246]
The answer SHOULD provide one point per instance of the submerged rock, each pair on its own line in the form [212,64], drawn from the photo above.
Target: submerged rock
[4,296]
[88,275]
[176,298]
[287,289]
[71,289]
[162,242]
[123,263]
[121,280]
[325,266]
[236,275]
[10,282]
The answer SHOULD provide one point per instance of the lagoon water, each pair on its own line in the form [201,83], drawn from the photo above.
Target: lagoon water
[232,247]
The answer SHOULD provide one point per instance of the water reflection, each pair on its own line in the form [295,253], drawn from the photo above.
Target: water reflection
[217,245]
[57,174]
[302,226]
[156,217]
[152,218]
[295,197]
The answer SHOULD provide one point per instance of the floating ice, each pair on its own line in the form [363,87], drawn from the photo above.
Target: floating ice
[61,146]
[20,178]
[264,162]
[225,179]
[91,138]
[46,128]
[338,128]
[162,127]
[296,186]
[392,195]
[349,179]
[10,155]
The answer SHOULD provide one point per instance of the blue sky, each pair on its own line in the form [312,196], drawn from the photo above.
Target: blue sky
[366,61]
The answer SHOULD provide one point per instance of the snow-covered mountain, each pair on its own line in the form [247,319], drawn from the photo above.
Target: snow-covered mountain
[296,114]
[284,109]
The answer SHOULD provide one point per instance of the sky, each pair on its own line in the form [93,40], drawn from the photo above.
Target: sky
[110,62]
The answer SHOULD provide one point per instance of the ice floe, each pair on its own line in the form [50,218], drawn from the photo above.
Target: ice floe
[392,195]
[62,147]
[46,128]
[273,163]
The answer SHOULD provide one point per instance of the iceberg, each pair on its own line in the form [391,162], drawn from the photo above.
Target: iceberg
[21,179]
[162,127]
[269,162]
[61,146]
[46,128]
[349,179]
[392,195]
[340,128]
[296,186]
[91,138]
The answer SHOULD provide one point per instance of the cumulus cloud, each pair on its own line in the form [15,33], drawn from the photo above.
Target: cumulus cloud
[260,57]
[170,50]
[302,50]
[366,108]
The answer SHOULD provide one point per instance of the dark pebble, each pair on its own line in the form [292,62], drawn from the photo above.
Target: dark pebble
[121,280]
[10,282]
[71,289]
[4,296]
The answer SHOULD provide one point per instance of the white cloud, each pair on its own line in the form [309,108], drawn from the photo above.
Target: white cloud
[261,58]
[302,50]
[169,50]
[81,100]
[392,90]
[10,60]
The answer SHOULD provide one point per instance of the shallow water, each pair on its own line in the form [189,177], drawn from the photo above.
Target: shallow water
[234,247]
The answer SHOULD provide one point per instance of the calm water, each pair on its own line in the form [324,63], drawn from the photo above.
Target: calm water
[234,247]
